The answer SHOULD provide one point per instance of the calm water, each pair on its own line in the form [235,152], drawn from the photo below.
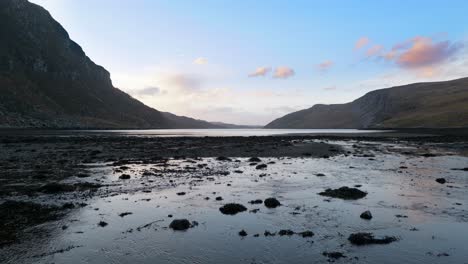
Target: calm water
[191,132]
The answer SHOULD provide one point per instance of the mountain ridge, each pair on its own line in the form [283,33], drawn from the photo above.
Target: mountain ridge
[441,104]
[47,80]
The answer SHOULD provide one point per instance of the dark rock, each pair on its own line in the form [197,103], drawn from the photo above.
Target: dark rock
[254,159]
[219,198]
[125,214]
[124,177]
[441,180]
[319,174]
[180,224]
[271,203]
[345,193]
[238,171]
[258,201]
[232,208]
[286,232]
[366,215]
[261,167]
[268,233]
[307,233]
[181,193]
[102,224]
[333,255]
[242,233]
[361,239]
[222,158]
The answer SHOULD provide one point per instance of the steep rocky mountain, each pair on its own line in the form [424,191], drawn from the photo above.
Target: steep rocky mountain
[46,80]
[419,105]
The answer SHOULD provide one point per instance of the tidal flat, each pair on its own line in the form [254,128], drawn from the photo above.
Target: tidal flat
[279,199]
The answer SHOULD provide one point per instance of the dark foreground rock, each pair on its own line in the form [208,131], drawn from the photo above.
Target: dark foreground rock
[306,234]
[232,209]
[366,215]
[102,224]
[333,255]
[242,233]
[272,203]
[180,224]
[345,193]
[361,239]
[441,180]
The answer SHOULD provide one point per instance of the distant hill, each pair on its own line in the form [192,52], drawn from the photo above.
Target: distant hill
[419,105]
[46,80]
[233,126]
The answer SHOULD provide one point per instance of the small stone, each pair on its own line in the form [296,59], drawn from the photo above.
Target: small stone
[441,180]
[272,203]
[366,215]
[232,209]
[180,224]
[124,177]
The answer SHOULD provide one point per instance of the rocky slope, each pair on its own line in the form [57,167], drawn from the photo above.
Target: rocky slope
[46,80]
[419,105]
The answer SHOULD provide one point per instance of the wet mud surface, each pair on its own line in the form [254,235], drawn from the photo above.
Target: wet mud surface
[232,200]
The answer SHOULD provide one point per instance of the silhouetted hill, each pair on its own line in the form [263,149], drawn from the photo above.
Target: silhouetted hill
[46,80]
[419,105]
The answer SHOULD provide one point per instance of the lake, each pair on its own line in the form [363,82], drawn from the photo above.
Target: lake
[189,132]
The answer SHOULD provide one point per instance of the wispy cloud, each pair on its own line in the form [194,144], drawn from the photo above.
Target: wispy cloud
[374,50]
[330,88]
[147,91]
[325,65]
[283,72]
[200,61]
[260,71]
[360,43]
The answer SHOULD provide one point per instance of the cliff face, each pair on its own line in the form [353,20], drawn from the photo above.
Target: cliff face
[46,80]
[419,105]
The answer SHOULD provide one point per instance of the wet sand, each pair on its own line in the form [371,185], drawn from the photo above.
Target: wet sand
[99,199]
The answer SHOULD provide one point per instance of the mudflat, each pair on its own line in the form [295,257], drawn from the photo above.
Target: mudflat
[93,198]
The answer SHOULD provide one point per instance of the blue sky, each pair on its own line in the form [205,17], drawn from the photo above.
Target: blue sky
[248,62]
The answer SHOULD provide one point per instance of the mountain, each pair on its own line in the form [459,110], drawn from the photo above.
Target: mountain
[233,126]
[418,105]
[46,80]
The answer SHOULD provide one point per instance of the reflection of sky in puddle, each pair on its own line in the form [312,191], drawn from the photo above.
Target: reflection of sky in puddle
[410,192]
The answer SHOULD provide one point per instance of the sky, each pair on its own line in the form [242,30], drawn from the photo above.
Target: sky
[249,62]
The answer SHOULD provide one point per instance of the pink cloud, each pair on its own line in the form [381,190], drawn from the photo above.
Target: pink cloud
[360,43]
[260,71]
[283,72]
[374,50]
[423,51]
[325,65]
